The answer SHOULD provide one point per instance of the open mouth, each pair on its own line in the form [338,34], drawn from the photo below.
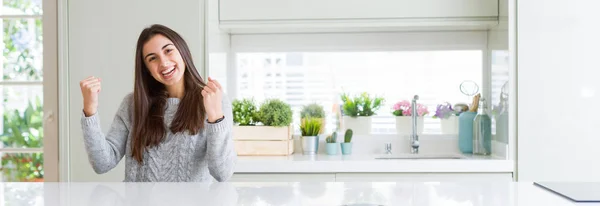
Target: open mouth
[169,73]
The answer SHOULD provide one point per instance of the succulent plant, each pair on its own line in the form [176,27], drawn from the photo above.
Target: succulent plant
[348,136]
[332,138]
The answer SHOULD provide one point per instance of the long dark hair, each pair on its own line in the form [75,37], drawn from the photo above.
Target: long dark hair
[150,97]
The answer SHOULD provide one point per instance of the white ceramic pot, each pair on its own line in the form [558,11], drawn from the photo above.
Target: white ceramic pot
[450,125]
[359,125]
[404,125]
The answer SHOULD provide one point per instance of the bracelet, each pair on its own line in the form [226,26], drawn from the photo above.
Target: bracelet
[218,120]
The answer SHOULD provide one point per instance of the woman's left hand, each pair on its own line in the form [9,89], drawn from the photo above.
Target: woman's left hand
[213,94]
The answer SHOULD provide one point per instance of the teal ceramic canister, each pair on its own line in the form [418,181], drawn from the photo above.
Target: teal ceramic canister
[465,131]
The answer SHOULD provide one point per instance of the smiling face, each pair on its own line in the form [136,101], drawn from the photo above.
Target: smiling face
[164,61]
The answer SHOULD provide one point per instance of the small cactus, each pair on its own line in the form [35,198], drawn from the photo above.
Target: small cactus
[332,138]
[348,136]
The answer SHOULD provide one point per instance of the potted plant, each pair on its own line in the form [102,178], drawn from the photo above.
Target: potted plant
[23,129]
[245,117]
[263,131]
[310,128]
[314,110]
[358,111]
[448,118]
[331,144]
[403,112]
[347,144]
[276,113]
[244,112]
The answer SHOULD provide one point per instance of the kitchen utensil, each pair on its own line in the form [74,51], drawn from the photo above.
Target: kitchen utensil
[475,105]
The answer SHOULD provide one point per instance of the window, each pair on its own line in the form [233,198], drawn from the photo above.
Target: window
[21,91]
[307,77]
[306,68]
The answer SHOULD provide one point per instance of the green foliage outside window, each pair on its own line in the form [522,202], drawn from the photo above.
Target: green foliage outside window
[23,129]
[22,61]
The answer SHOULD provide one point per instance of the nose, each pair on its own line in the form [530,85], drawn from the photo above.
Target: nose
[165,62]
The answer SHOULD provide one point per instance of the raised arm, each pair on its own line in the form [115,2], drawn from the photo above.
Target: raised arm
[104,151]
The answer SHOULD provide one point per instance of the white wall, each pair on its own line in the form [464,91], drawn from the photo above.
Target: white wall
[218,47]
[102,40]
[558,75]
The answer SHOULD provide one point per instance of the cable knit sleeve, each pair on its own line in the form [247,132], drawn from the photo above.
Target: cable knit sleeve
[220,149]
[105,151]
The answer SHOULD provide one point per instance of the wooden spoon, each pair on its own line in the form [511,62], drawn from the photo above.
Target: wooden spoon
[475,103]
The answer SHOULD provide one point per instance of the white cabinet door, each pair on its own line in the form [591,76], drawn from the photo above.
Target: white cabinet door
[279,177]
[285,10]
[422,177]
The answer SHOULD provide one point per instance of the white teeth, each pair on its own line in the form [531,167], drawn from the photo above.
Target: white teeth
[168,71]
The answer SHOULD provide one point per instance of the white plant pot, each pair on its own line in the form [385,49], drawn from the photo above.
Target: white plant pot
[404,125]
[359,125]
[450,125]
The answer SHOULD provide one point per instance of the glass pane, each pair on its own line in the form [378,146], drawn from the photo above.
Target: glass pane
[22,113]
[22,49]
[22,167]
[217,68]
[21,7]
[321,77]
[500,78]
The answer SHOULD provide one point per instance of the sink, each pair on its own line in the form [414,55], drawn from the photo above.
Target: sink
[420,156]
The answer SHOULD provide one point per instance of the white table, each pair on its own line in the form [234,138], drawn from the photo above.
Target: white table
[335,193]
[298,163]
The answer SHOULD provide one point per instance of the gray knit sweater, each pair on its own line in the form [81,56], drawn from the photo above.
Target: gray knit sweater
[179,158]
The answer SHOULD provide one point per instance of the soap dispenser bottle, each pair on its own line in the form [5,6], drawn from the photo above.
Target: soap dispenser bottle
[482,130]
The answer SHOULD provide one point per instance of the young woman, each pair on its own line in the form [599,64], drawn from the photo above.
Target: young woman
[173,128]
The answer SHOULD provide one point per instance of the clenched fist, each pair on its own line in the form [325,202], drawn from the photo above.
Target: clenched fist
[212,100]
[90,87]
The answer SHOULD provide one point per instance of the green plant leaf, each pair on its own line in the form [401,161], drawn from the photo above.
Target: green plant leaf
[312,110]
[311,126]
[361,105]
[274,112]
[244,112]
[23,129]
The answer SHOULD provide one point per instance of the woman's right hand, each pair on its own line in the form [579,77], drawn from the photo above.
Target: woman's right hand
[90,87]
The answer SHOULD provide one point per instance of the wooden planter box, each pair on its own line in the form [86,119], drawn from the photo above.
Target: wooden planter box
[263,140]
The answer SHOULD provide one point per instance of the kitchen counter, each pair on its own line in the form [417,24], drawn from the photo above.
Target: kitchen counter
[384,193]
[298,163]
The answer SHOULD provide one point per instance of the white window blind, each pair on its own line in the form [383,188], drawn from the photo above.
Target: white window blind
[302,69]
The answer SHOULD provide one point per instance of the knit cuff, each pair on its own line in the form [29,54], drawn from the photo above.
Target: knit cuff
[218,127]
[90,121]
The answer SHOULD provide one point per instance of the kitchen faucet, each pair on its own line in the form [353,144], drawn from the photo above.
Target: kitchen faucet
[414,138]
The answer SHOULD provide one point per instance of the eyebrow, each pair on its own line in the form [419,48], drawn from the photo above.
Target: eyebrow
[161,49]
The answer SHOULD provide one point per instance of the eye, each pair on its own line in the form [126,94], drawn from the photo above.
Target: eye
[169,50]
[151,59]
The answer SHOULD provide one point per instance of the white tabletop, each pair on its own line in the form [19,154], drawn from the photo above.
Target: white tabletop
[321,163]
[335,193]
